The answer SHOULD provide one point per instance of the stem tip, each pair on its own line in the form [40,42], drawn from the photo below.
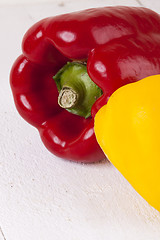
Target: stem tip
[67,98]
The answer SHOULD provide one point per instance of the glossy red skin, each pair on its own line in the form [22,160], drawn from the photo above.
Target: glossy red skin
[120,45]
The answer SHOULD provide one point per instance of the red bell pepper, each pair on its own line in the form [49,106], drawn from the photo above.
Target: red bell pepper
[117,45]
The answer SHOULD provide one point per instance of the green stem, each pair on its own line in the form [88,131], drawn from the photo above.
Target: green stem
[77,92]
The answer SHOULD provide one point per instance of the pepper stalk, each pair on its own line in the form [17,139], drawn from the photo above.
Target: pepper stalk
[77,92]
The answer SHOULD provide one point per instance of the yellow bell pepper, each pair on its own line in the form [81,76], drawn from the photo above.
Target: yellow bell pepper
[128,130]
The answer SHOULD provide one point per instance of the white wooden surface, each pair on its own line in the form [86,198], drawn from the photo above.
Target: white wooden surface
[46,198]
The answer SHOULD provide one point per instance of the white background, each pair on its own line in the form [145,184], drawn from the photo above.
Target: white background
[43,197]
